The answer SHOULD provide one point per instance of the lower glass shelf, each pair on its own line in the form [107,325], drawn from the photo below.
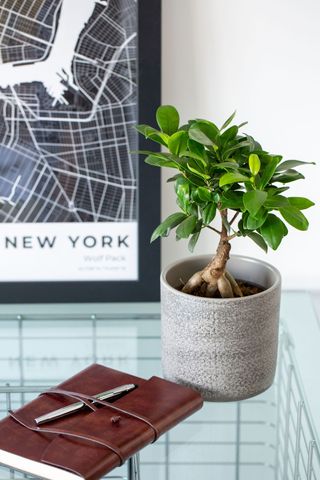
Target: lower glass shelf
[269,437]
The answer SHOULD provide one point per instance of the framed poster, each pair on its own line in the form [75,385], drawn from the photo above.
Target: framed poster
[77,207]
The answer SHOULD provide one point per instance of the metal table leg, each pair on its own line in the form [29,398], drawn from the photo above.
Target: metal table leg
[134,467]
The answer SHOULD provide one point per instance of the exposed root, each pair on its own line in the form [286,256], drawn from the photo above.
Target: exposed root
[211,289]
[203,289]
[235,287]
[214,276]
[193,283]
[224,287]
[206,280]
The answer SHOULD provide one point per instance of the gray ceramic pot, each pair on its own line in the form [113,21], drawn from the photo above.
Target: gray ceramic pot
[225,348]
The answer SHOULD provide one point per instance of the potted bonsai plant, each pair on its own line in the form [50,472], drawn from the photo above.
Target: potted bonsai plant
[220,313]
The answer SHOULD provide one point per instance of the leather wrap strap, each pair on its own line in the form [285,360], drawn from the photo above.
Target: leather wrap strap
[61,431]
[89,401]
[84,398]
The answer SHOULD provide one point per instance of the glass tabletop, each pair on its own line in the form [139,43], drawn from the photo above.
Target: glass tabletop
[272,436]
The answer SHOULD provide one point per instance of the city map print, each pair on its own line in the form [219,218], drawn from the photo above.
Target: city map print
[68,103]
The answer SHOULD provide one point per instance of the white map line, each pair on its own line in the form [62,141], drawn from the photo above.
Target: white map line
[45,163]
[58,91]
[21,15]
[12,193]
[75,161]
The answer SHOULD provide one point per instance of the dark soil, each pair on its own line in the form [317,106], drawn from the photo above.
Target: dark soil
[247,289]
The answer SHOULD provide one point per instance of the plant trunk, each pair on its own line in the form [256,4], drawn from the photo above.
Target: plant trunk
[214,273]
[214,276]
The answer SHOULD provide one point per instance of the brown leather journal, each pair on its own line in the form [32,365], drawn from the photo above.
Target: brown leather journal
[98,438]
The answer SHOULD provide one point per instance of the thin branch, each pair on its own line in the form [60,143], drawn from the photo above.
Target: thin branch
[234,235]
[214,229]
[224,223]
[233,218]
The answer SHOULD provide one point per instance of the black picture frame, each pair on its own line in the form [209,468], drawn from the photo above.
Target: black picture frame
[146,288]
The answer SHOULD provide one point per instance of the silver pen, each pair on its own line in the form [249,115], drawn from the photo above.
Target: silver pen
[74,407]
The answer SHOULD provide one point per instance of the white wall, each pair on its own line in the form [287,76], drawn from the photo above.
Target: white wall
[263,59]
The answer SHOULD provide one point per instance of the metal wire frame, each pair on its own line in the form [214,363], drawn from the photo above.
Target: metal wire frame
[298,452]
[292,452]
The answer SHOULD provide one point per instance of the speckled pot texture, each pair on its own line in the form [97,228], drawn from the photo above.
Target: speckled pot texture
[224,348]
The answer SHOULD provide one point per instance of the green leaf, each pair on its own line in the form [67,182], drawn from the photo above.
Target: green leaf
[144,129]
[156,161]
[254,200]
[289,164]
[170,157]
[168,119]
[196,150]
[182,187]
[195,180]
[208,213]
[241,227]
[204,194]
[276,201]
[184,127]
[237,146]
[229,134]
[228,121]
[175,177]
[181,182]
[160,138]
[170,222]
[164,156]
[178,142]
[186,227]
[197,169]
[294,217]
[273,230]
[192,209]
[300,202]
[232,177]
[193,241]
[276,190]
[254,222]
[254,146]
[268,171]
[254,163]
[288,176]
[148,152]
[225,165]
[153,134]
[232,199]
[204,132]
[258,239]
[196,157]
